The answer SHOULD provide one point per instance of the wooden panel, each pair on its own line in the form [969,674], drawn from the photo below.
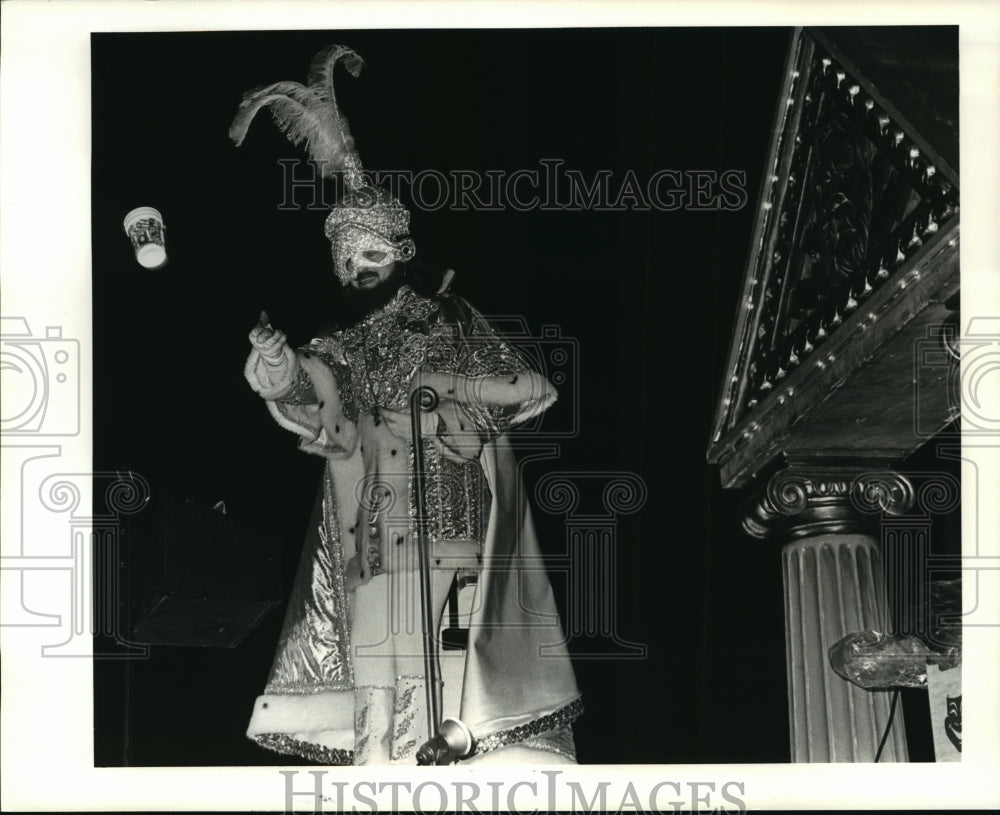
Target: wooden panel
[915,68]
[853,260]
[836,380]
[894,403]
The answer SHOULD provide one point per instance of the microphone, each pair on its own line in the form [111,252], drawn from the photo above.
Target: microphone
[452,742]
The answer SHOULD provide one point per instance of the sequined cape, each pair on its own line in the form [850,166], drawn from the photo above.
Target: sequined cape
[347,684]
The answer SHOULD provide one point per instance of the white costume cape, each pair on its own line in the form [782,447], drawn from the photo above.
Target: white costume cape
[347,683]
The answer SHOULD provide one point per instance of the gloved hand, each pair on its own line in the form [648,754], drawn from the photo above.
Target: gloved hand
[270,343]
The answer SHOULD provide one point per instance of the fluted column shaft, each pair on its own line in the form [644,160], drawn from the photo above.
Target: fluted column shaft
[834,586]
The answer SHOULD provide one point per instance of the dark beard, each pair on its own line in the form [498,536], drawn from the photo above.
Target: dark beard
[354,304]
[351,305]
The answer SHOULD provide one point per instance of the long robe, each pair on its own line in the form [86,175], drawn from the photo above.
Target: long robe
[347,682]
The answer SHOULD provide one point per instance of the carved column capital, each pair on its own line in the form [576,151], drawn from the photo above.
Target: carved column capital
[804,500]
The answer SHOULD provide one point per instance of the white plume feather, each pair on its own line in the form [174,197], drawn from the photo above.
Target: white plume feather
[307,114]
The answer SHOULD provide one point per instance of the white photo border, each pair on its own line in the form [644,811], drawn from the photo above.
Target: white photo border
[47,704]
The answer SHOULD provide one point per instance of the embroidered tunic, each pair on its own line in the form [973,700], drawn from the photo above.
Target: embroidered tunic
[347,682]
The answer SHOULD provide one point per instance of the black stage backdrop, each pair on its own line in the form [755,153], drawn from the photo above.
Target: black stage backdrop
[647,296]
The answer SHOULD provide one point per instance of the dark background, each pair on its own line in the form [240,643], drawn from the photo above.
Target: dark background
[648,296]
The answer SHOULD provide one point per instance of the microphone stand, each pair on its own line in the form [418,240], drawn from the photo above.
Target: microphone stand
[449,739]
[423,400]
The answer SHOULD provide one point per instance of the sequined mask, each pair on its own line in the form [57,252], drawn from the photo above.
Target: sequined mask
[367,219]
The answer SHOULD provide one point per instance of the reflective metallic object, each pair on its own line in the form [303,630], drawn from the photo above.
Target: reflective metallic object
[453,741]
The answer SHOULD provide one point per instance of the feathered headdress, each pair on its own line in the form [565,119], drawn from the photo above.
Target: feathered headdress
[366,218]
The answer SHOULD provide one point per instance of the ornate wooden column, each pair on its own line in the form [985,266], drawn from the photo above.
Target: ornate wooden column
[852,276]
[833,581]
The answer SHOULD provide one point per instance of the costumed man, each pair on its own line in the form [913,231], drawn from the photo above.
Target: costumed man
[349,681]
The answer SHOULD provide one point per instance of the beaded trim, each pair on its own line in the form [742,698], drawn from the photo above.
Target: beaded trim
[409,719]
[300,392]
[515,735]
[331,519]
[280,743]
[304,688]
[531,735]
[457,497]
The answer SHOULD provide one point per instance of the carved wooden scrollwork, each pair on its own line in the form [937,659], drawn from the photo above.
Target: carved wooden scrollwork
[799,502]
[853,196]
[860,199]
